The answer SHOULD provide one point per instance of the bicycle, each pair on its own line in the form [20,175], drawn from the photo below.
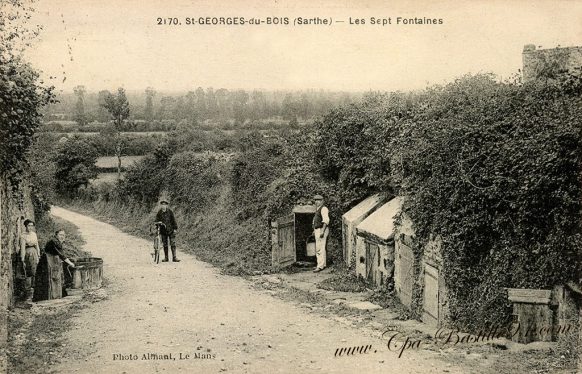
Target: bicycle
[157,240]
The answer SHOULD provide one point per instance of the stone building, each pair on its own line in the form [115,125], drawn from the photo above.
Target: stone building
[350,221]
[383,246]
[548,63]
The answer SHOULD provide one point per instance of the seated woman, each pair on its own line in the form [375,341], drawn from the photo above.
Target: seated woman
[29,253]
[49,279]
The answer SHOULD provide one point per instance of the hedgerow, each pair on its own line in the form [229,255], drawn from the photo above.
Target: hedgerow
[351,148]
[75,160]
[145,180]
[193,180]
[132,145]
[253,169]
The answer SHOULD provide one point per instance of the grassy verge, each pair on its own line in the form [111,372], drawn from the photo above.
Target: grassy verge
[36,341]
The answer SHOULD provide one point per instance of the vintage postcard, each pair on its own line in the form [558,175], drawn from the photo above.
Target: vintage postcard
[327,186]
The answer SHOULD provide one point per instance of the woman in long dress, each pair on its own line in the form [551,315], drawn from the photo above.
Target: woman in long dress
[49,280]
[29,253]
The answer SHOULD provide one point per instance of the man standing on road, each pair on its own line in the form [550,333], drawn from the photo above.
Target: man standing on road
[168,231]
[320,231]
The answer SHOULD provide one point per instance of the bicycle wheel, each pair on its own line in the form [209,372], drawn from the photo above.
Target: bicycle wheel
[157,249]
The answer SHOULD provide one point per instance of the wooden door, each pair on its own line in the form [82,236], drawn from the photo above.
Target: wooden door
[346,244]
[431,295]
[405,276]
[283,241]
[372,262]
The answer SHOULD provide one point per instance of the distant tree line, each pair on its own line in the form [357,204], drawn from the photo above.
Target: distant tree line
[201,106]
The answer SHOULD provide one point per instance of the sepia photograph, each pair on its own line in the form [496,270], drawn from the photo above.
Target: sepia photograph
[278,186]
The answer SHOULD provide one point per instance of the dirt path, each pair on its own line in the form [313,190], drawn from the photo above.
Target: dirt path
[189,308]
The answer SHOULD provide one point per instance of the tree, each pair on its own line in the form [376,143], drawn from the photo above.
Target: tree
[224,108]
[305,106]
[102,113]
[258,105]
[201,103]
[42,165]
[165,109]
[211,103]
[239,106]
[118,108]
[289,107]
[75,165]
[191,115]
[180,110]
[149,109]
[79,114]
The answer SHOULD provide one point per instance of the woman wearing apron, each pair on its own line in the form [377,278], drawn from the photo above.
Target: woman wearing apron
[29,254]
[49,282]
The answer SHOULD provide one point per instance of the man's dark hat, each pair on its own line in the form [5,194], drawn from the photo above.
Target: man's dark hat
[27,221]
[163,201]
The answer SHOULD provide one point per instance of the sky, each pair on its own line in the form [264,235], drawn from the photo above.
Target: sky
[105,44]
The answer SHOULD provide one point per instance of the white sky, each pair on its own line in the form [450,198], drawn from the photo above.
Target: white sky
[118,43]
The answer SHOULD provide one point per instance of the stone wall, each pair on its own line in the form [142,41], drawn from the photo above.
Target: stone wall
[12,209]
[546,63]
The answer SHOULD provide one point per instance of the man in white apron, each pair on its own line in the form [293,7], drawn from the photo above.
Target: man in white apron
[320,231]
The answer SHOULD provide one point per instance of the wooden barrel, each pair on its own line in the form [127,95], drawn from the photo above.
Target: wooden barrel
[89,276]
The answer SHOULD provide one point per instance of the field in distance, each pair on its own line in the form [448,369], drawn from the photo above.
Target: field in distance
[107,162]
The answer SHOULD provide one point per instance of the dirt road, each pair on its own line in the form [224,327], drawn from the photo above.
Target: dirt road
[190,310]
